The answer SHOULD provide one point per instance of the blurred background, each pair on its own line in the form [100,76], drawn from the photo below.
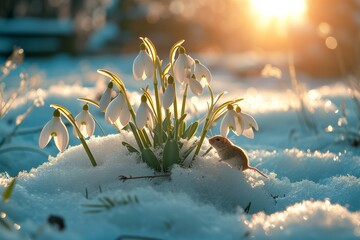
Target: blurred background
[318,32]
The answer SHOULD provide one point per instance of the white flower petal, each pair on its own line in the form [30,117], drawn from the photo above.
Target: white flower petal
[62,135]
[227,123]
[141,116]
[113,110]
[169,96]
[137,66]
[105,100]
[252,122]
[238,126]
[142,66]
[249,133]
[45,134]
[181,68]
[195,86]
[90,124]
[150,117]
[190,62]
[118,124]
[202,73]
[148,66]
[125,116]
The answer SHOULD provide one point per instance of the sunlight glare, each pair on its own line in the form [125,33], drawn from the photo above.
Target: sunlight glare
[278,14]
[280,9]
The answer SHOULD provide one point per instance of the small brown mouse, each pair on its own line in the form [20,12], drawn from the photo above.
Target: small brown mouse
[232,154]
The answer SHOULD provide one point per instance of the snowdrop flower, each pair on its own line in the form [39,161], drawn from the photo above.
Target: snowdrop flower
[118,109]
[183,67]
[228,121]
[195,86]
[54,128]
[245,124]
[106,97]
[144,115]
[85,122]
[202,73]
[169,94]
[143,65]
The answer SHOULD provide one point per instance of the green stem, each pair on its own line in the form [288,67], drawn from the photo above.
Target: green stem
[71,119]
[88,152]
[202,137]
[136,135]
[181,130]
[146,137]
[143,139]
[184,99]
[158,108]
[176,116]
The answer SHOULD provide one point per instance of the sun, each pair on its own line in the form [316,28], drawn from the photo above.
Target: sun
[279,10]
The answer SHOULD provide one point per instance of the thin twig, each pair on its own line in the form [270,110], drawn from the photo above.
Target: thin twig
[123,178]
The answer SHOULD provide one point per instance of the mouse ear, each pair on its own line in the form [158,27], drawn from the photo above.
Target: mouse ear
[224,140]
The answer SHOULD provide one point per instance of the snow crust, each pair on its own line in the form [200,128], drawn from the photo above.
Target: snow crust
[313,190]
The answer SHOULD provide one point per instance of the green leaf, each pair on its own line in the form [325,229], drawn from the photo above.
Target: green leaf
[170,155]
[182,118]
[188,151]
[190,131]
[167,121]
[173,50]
[157,135]
[150,159]
[181,124]
[8,191]
[129,147]
[119,83]
[87,100]
[166,69]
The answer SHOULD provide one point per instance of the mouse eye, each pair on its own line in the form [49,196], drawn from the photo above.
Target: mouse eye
[217,139]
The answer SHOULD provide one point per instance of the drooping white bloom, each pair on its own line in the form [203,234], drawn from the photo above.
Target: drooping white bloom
[238,122]
[85,122]
[118,109]
[54,128]
[144,115]
[245,124]
[106,97]
[143,66]
[183,67]
[169,94]
[202,73]
[195,86]
[228,121]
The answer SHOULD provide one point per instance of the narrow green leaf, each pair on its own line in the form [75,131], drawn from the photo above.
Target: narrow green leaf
[182,127]
[8,191]
[87,100]
[150,159]
[170,155]
[190,131]
[130,148]
[119,83]
[167,69]
[188,151]
[182,118]
[137,138]
[173,50]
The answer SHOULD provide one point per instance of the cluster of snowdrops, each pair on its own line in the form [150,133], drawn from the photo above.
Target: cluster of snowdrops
[160,121]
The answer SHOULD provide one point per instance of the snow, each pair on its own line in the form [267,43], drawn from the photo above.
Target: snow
[313,189]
